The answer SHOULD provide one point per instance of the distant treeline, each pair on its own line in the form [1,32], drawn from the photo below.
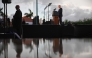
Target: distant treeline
[83,22]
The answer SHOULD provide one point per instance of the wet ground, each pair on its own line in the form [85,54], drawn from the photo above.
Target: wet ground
[66,48]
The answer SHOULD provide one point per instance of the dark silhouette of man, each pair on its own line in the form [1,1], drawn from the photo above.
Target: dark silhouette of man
[17,20]
[60,14]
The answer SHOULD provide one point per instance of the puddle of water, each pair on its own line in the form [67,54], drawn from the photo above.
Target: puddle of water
[74,48]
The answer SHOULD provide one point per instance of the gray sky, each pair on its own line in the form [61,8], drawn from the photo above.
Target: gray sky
[72,9]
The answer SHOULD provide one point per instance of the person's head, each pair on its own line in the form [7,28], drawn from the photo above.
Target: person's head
[17,7]
[59,6]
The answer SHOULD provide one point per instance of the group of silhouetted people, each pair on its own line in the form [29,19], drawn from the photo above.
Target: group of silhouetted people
[57,17]
[17,19]
[7,22]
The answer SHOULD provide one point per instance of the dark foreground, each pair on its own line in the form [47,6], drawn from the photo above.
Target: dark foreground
[40,31]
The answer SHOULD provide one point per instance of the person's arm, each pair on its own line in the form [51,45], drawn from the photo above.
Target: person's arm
[18,14]
[62,11]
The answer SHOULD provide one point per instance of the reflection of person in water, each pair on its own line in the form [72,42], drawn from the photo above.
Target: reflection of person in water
[57,46]
[60,48]
[18,47]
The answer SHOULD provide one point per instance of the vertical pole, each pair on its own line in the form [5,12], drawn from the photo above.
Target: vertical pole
[4,49]
[4,18]
[36,10]
[6,15]
[48,13]
[49,48]
[44,13]
[37,47]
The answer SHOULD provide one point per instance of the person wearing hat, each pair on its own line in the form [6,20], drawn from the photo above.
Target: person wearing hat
[18,20]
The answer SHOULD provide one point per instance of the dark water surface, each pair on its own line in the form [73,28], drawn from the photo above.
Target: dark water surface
[66,48]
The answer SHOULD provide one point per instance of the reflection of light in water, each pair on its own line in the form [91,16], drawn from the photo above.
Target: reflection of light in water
[70,43]
[86,53]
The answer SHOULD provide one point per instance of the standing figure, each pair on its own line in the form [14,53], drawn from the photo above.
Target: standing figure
[17,20]
[60,14]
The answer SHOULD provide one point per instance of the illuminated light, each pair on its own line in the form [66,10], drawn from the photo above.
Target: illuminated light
[86,53]
[85,7]
[66,5]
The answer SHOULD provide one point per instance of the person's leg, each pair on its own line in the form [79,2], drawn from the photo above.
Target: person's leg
[60,20]
[19,31]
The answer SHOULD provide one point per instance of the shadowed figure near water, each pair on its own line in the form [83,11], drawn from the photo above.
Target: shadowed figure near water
[18,47]
[17,22]
[57,46]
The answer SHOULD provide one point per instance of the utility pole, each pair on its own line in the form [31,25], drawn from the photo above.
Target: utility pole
[36,11]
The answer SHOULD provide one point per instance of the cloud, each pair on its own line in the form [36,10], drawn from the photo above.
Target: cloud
[71,8]
[45,2]
[77,49]
[18,2]
[21,1]
[75,2]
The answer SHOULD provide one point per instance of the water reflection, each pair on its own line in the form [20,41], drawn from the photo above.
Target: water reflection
[54,48]
[28,43]
[18,47]
[57,46]
[1,47]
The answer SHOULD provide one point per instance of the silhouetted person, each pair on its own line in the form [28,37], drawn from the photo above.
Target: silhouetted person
[43,21]
[8,22]
[17,20]
[18,47]
[60,14]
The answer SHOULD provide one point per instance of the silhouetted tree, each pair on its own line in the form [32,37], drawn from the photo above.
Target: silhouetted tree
[30,14]
[1,13]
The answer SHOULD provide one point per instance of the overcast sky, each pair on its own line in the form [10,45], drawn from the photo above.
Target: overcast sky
[72,9]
